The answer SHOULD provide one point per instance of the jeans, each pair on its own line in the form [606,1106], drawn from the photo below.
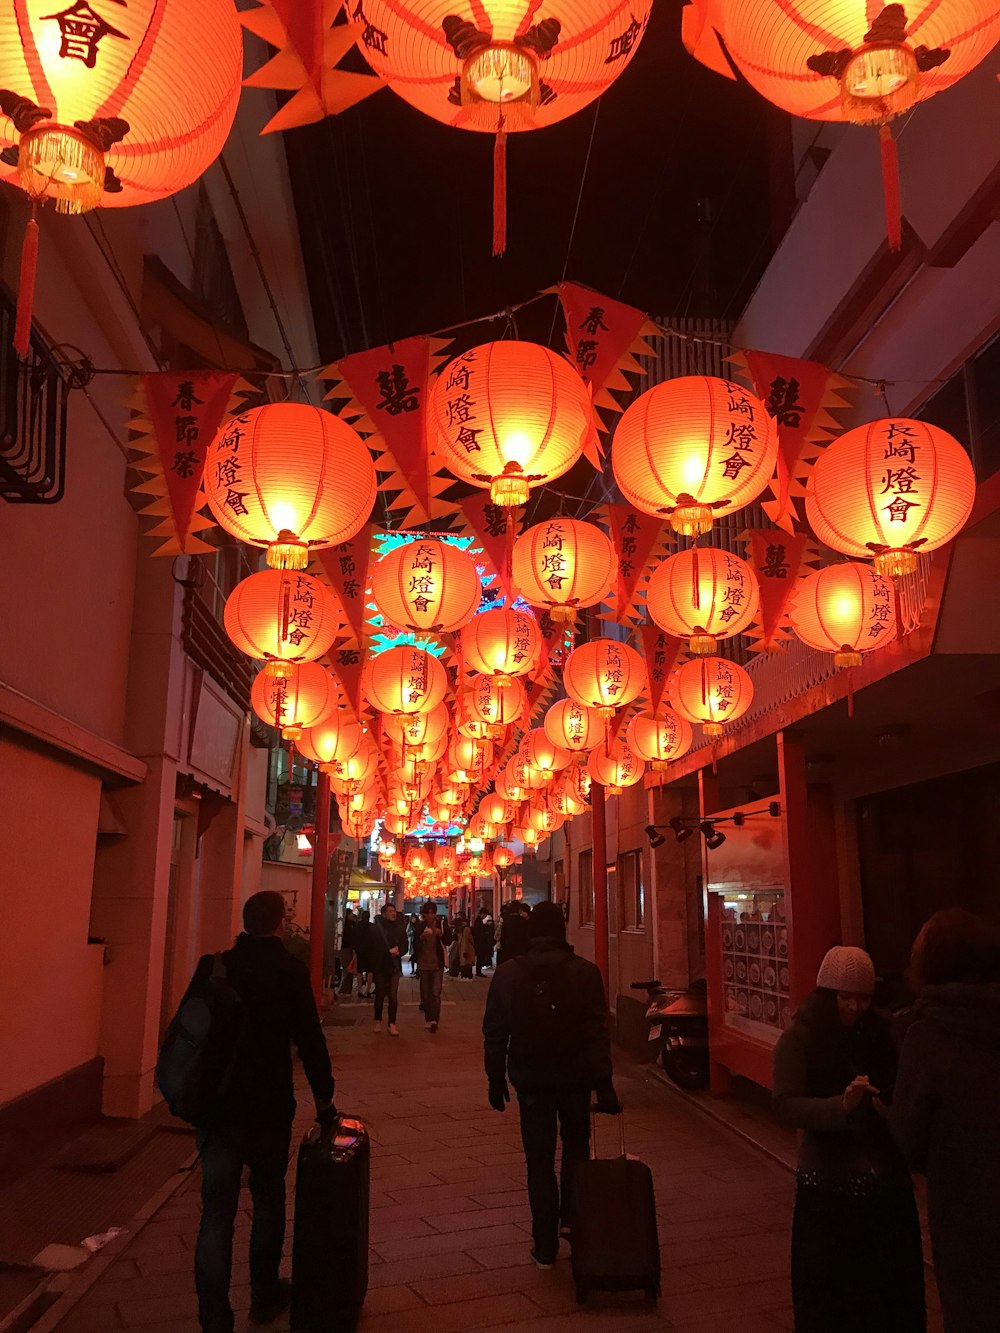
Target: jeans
[540,1112]
[224,1153]
[430,993]
[387,984]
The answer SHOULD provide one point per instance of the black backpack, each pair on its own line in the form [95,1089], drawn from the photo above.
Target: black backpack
[544,1020]
[198,1054]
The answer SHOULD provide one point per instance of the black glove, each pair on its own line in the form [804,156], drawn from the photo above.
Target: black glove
[607,1099]
[326,1117]
[499,1094]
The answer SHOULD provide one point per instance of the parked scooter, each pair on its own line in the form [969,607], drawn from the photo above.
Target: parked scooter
[678,1023]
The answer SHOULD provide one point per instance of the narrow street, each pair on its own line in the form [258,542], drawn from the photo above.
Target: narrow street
[450,1232]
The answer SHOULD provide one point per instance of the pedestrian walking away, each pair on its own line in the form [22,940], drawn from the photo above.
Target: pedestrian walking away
[388,947]
[514,932]
[250,1121]
[947,1106]
[430,941]
[856,1252]
[482,934]
[466,949]
[546,1027]
[365,944]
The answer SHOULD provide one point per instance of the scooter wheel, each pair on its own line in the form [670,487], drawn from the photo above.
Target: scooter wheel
[689,1072]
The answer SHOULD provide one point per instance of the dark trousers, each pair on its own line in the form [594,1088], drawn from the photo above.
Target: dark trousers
[430,993]
[483,959]
[857,1263]
[541,1113]
[224,1153]
[387,984]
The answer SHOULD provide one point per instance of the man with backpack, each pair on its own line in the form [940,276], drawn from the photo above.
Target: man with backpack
[236,1088]
[546,1025]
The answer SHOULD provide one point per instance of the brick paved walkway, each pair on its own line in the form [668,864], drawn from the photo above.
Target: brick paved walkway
[450,1223]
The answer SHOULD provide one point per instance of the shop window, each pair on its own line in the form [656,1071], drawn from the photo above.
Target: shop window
[585,878]
[631,891]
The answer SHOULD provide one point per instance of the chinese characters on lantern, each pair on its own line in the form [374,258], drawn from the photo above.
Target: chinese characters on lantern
[460,406]
[82,29]
[416,681]
[881,614]
[900,480]
[734,592]
[741,431]
[229,469]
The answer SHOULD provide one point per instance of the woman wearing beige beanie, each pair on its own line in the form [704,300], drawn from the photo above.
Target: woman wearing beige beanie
[856,1252]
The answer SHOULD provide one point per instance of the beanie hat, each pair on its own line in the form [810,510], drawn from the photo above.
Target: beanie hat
[547,920]
[848,969]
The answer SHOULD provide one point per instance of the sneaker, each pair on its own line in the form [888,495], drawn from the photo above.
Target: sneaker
[267,1311]
[377,1025]
[393,1030]
[542,1263]
[433,1027]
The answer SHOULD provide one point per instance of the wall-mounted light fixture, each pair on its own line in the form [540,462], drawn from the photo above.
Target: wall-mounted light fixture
[685,826]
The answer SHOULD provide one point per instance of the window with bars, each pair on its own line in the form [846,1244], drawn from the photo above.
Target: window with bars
[585,880]
[631,891]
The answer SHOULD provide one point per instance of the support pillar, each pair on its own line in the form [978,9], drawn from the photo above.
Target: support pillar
[320,871]
[598,824]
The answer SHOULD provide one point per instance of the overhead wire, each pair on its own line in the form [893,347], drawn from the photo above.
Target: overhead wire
[576,211]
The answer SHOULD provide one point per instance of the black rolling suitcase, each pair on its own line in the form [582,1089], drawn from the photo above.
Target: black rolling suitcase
[330,1243]
[614,1237]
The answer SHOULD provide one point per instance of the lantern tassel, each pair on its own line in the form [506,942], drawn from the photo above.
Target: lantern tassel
[890,188]
[850,694]
[500,189]
[26,286]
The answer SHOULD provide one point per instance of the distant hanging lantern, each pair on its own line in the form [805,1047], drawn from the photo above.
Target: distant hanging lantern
[844,60]
[445,858]
[338,736]
[703,594]
[453,795]
[604,674]
[281,617]
[893,489]
[474,730]
[494,701]
[470,757]
[404,679]
[417,860]
[711,691]
[526,834]
[304,698]
[480,827]
[563,565]
[615,766]
[542,819]
[356,770]
[564,799]
[502,643]
[503,857]
[111,113]
[417,729]
[844,609]
[694,448]
[509,415]
[426,585]
[659,737]
[291,478]
[540,752]
[496,809]
[509,783]
[498,67]
[574,726]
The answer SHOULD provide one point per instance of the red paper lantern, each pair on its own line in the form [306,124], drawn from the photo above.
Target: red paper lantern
[659,737]
[564,799]
[338,736]
[543,820]
[404,679]
[445,858]
[892,489]
[694,448]
[502,643]
[541,754]
[496,809]
[291,478]
[509,415]
[304,698]
[417,729]
[574,726]
[604,674]
[509,782]
[282,617]
[526,834]
[703,594]
[503,857]
[494,701]
[711,691]
[844,609]
[426,585]
[470,757]
[563,565]
[354,771]
[616,767]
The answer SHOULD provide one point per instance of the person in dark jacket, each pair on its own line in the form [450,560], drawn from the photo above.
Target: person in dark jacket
[388,947]
[347,952]
[364,948]
[251,1125]
[514,935]
[431,937]
[546,1026]
[482,934]
[946,1110]
[856,1251]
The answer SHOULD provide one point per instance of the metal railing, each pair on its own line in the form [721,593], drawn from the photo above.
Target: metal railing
[34,400]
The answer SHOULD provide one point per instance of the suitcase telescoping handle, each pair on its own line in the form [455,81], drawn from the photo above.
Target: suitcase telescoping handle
[594,1117]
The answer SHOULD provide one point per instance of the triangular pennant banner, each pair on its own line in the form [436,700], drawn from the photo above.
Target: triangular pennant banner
[779,560]
[636,538]
[800,396]
[347,568]
[347,660]
[486,523]
[661,651]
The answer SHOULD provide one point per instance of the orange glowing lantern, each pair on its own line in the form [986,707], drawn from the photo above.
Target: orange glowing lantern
[711,691]
[576,783]
[615,766]
[304,698]
[474,730]
[338,736]
[356,770]
[470,757]
[426,585]
[894,489]
[604,675]
[540,753]
[291,478]
[509,783]
[480,827]
[703,594]
[494,701]
[542,819]
[563,565]
[509,415]
[659,737]
[524,833]
[503,857]
[562,798]
[502,643]
[417,860]
[844,59]
[417,729]
[496,810]
[574,726]
[445,858]
[694,448]
[844,609]
[282,617]
[404,679]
